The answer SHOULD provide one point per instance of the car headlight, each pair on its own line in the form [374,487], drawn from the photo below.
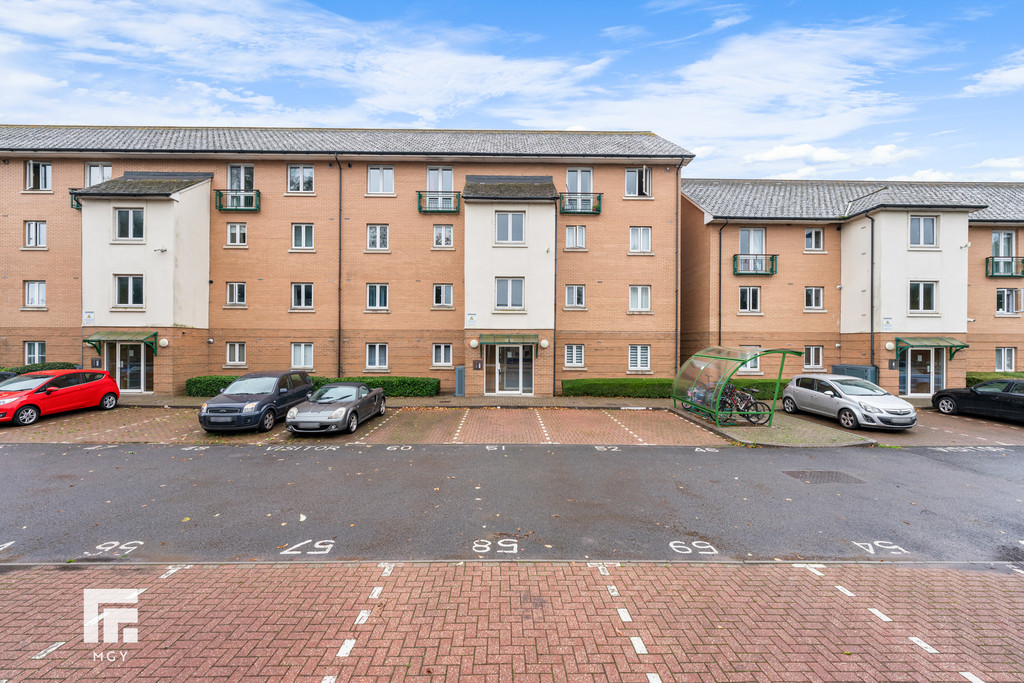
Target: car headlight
[202,408]
[292,413]
[5,401]
[250,407]
[339,413]
[867,408]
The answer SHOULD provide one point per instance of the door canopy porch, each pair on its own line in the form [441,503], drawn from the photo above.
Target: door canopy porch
[905,343]
[96,339]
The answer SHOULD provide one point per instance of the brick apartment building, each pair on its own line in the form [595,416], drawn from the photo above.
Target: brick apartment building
[921,280]
[163,253]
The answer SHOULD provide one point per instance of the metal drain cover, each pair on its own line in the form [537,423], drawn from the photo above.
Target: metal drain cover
[823,477]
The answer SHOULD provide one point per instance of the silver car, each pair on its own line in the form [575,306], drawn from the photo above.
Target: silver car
[334,408]
[853,401]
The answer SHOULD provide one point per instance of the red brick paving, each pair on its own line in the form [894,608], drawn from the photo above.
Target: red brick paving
[523,622]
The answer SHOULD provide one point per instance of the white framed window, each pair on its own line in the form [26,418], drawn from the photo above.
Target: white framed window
[35,352]
[754,364]
[922,231]
[380,180]
[97,172]
[814,239]
[302,295]
[35,234]
[442,354]
[508,293]
[300,178]
[750,299]
[38,175]
[638,182]
[639,297]
[442,295]
[376,356]
[129,224]
[579,180]
[129,291]
[812,357]
[237,235]
[574,355]
[302,236]
[639,240]
[443,237]
[377,296]
[1004,249]
[813,298]
[235,353]
[302,355]
[1006,301]
[922,297]
[377,237]
[575,296]
[510,227]
[236,294]
[575,237]
[639,356]
[35,294]
[1006,358]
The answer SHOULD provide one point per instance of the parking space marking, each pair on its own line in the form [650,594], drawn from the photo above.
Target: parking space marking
[364,614]
[878,614]
[383,422]
[923,645]
[175,568]
[346,647]
[653,678]
[375,593]
[613,591]
[48,650]
[543,427]
[329,679]
[624,615]
[845,592]
[388,567]
[638,645]
[457,437]
[813,568]
[971,677]
[630,431]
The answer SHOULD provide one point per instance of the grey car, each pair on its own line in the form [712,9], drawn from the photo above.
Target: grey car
[336,407]
[254,401]
[853,401]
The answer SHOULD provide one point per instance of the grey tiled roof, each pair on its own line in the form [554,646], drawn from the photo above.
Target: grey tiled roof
[143,183]
[126,139]
[509,187]
[837,199]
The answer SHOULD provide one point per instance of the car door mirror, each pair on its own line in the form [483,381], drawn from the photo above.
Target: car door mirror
[309,394]
[830,393]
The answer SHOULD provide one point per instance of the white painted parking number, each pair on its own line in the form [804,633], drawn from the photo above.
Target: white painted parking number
[505,545]
[7,545]
[399,448]
[607,448]
[322,548]
[115,545]
[881,545]
[702,548]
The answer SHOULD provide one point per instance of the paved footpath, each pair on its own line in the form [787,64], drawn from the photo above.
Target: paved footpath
[507,621]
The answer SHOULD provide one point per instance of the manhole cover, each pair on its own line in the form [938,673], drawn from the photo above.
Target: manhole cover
[823,477]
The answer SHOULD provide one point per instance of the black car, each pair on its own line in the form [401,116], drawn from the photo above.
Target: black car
[1002,398]
[255,401]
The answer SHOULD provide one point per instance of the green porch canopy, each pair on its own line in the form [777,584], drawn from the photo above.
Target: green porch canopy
[493,339]
[96,339]
[904,343]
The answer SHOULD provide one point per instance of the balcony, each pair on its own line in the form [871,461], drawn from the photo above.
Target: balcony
[76,203]
[438,202]
[754,264]
[238,200]
[1004,266]
[580,202]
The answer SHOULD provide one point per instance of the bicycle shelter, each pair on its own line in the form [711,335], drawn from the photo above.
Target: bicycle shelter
[702,384]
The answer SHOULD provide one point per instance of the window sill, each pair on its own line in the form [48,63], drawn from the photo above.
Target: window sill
[637,198]
[141,241]
[34,308]
[442,249]
[928,247]
[380,194]
[924,314]
[574,368]
[235,306]
[510,245]
[293,250]
[750,373]
[443,367]
[518,311]
[376,310]
[639,253]
[815,251]
[37,191]
[235,366]
[749,313]
[376,251]
[302,310]
[575,249]
[639,372]
[815,310]
[236,246]
[35,249]
[127,309]
[309,370]
[381,370]
[814,368]
[299,194]
[442,308]
[574,308]
[639,312]
[1007,315]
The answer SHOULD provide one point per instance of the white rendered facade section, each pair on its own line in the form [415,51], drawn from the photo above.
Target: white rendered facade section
[172,256]
[533,260]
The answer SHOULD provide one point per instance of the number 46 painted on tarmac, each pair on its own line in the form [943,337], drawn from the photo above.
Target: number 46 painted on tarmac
[882,545]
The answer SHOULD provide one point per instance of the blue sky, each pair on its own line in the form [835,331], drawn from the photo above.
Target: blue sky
[800,89]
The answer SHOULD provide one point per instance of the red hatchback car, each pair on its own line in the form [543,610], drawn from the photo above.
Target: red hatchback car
[25,398]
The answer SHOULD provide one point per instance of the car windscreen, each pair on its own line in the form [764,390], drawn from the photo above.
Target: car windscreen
[24,382]
[252,385]
[331,394]
[859,387]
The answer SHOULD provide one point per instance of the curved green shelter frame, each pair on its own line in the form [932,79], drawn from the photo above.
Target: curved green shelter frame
[702,379]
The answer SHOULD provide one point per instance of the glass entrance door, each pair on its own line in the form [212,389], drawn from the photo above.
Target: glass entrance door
[922,371]
[130,365]
[510,369]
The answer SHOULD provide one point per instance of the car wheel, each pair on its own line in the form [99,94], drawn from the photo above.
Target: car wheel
[353,423]
[267,420]
[847,419]
[26,415]
[789,405]
[383,406]
[108,402]
[947,406]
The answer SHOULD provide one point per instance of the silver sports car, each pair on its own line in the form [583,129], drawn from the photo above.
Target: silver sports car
[335,408]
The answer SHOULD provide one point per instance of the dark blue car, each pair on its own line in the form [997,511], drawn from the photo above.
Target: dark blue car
[255,401]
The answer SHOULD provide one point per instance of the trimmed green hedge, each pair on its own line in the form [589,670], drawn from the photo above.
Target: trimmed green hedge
[629,387]
[50,365]
[211,385]
[975,377]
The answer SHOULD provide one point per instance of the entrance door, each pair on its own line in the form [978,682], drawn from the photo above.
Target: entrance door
[510,369]
[1004,243]
[240,183]
[130,365]
[926,372]
[440,186]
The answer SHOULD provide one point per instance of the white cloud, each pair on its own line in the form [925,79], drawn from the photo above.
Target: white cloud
[620,33]
[889,154]
[1002,79]
[926,175]
[1010,162]
[797,174]
[804,151]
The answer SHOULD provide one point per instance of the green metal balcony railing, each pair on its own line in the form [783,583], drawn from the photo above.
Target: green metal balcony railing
[580,202]
[754,264]
[76,203]
[238,200]
[438,202]
[1004,266]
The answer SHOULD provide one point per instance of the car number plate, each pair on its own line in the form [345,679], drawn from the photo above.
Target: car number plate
[215,418]
[309,425]
[901,420]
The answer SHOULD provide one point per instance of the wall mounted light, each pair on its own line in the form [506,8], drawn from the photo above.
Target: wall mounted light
[164,343]
[889,346]
[543,343]
[473,343]
[210,340]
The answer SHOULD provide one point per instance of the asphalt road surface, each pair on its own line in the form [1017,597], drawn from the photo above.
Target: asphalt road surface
[147,503]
